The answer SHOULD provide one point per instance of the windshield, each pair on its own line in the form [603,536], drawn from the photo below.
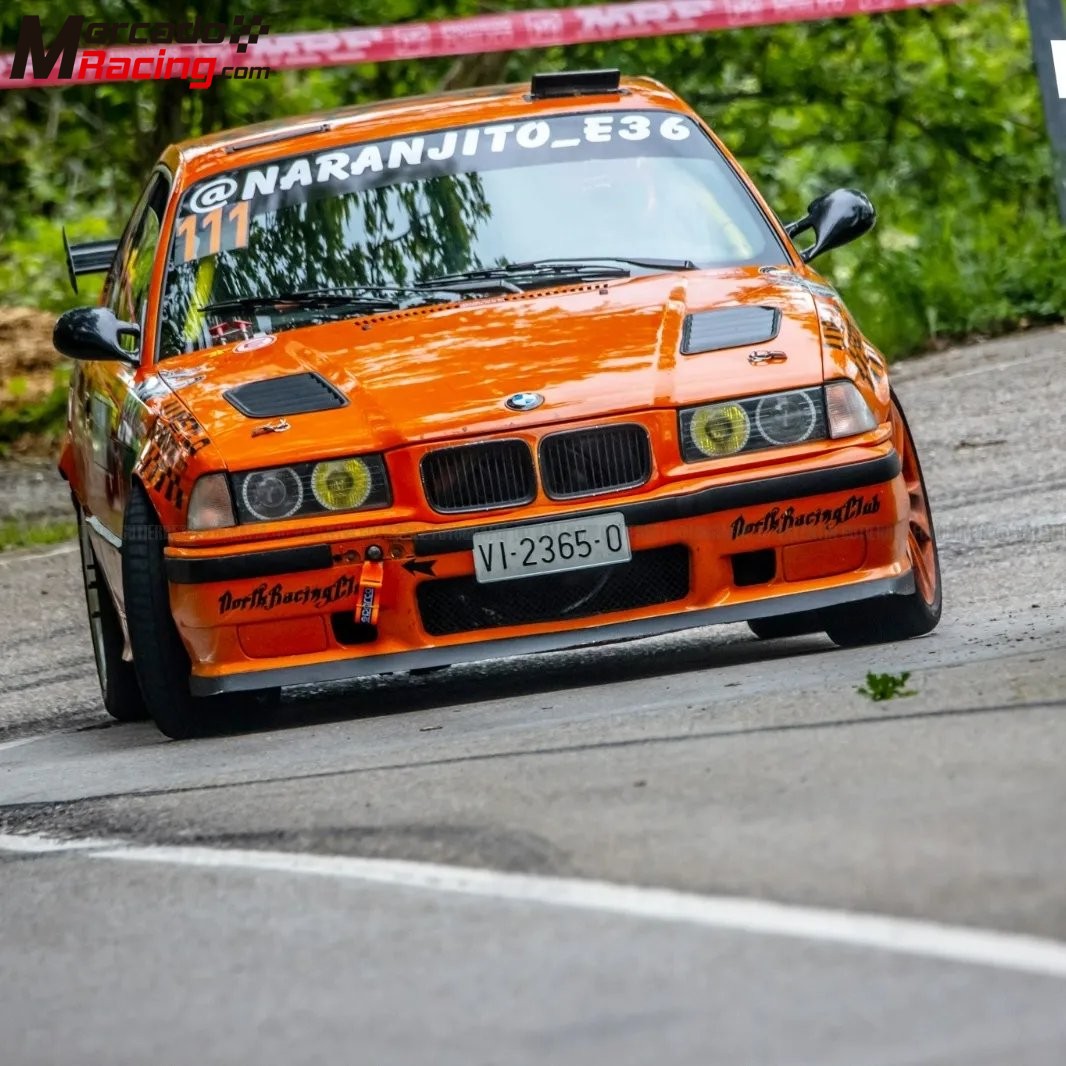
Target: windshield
[384,220]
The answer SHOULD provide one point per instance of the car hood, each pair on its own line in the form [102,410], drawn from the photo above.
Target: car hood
[445,372]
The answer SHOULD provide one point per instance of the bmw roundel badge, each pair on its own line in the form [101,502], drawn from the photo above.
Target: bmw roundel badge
[525,401]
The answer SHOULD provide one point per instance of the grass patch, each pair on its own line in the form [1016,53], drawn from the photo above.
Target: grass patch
[20,533]
[45,417]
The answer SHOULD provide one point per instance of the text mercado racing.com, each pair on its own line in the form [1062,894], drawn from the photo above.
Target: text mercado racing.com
[136,63]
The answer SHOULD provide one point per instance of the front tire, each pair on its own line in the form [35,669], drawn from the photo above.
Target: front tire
[159,656]
[892,618]
[118,680]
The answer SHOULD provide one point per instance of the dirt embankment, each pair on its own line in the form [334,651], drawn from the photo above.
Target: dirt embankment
[30,487]
[28,362]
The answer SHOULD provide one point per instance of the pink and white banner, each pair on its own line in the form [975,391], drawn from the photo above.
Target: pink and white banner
[485,33]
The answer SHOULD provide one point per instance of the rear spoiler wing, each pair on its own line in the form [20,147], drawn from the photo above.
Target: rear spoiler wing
[91,257]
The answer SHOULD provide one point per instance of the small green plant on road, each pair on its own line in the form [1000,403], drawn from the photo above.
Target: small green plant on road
[880,687]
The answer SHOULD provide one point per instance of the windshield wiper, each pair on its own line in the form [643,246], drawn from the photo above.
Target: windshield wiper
[467,284]
[507,278]
[637,261]
[332,297]
[553,270]
[550,270]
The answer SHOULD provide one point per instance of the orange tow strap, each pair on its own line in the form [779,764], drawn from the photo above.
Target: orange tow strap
[370,591]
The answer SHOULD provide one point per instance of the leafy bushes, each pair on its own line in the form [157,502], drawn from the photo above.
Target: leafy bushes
[935,113]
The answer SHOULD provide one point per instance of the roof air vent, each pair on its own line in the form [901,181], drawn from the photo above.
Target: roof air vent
[575,83]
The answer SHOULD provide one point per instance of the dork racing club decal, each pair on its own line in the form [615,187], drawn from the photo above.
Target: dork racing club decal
[266,597]
[784,520]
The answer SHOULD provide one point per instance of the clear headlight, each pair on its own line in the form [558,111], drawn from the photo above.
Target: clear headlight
[787,418]
[350,484]
[210,504]
[777,419]
[847,410]
[272,494]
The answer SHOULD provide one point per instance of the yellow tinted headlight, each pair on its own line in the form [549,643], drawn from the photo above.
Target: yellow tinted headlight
[341,484]
[720,429]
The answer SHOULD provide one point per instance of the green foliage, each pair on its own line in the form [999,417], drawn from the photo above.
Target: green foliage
[19,533]
[934,112]
[880,687]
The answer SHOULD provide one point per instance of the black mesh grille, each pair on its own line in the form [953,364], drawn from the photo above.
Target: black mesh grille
[479,476]
[595,460]
[460,604]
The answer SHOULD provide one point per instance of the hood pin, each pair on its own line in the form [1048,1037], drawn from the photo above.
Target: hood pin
[271,427]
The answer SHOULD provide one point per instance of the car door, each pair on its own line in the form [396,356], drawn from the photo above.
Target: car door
[107,389]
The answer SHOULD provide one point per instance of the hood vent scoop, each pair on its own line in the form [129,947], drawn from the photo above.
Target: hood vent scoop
[729,327]
[294,394]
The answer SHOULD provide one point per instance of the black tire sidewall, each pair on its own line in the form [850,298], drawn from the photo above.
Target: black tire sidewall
[119,687]
[159,656]
[891,618]
[932,610]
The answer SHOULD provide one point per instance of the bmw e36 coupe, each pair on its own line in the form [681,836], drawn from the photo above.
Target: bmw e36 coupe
[471,376]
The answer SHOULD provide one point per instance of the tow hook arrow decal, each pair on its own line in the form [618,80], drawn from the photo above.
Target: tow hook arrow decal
[413,566]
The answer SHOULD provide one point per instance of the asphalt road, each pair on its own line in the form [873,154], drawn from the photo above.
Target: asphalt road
[238,899]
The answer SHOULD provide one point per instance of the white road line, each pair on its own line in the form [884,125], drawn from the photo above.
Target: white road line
[20,557]
[34,844]
[4,745]
[932,940]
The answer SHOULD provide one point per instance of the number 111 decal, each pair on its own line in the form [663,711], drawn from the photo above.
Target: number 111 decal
[222,225]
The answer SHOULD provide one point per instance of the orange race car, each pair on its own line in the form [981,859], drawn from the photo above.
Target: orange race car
[470,376]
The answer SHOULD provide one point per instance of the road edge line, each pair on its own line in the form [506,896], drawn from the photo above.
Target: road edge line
[906,936]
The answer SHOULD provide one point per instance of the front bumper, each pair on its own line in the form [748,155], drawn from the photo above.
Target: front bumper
[263,616]
[347,669]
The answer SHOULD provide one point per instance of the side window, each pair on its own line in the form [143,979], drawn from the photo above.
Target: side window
[128,294]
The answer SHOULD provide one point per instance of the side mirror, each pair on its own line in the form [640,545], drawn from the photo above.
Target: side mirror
[95,333]
[836,218]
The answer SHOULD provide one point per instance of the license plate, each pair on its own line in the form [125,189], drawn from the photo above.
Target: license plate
[549,547]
